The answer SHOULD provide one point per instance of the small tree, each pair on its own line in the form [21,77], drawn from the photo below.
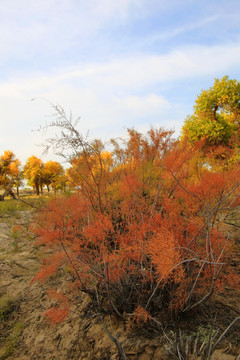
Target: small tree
[52,175]
[216,119]
[33,172]
[10,174]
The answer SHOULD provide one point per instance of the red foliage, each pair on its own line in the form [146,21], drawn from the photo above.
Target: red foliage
[140,315]
[149,233]
[56,315]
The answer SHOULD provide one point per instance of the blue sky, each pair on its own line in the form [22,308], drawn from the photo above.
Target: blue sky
[117,64]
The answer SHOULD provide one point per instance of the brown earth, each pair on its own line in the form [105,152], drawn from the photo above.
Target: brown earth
[25,335]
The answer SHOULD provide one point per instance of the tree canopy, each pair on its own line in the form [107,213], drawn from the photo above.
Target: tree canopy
[52,174]
[33,172]
[9,172]
[216,115]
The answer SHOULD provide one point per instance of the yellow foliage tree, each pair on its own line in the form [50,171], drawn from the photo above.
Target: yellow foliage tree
[33,172]
[9,173]
[52,174]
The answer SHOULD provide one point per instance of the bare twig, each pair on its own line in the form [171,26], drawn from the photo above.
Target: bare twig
[224,333]
[114,340]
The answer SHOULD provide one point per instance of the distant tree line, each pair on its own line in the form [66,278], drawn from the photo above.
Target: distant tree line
[37,174]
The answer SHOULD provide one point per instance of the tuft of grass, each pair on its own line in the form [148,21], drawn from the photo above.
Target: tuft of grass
[11,207]
[17,231]
[7,306]
[9,338]
[15,246]
[202,343]
[12,340]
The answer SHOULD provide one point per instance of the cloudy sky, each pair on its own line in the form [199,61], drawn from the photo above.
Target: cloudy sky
[115,63]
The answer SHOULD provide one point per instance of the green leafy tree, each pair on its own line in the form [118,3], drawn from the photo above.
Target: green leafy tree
[216,116]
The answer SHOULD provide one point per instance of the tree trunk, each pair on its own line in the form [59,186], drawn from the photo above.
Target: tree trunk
[37,189]
[8,192]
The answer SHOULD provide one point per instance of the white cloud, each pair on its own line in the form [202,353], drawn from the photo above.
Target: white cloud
[130,74]
[28,28]
[35,28]
[137,72]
